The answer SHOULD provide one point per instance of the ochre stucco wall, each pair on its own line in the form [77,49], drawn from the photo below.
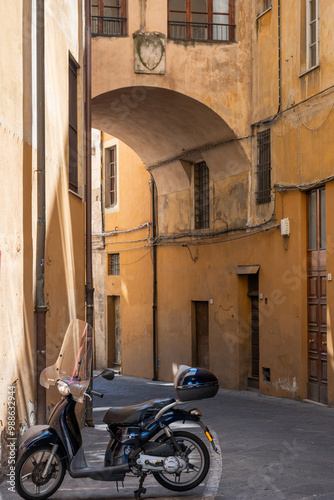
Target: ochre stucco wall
[240,83]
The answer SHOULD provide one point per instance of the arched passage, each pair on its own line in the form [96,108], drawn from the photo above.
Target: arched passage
[169,130]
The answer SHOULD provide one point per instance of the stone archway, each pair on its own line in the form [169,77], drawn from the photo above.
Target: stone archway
[170,130]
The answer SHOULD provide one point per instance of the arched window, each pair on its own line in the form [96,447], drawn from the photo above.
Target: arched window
[201,20]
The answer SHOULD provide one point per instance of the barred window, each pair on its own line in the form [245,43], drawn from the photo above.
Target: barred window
[202,195]
[109,17]
[264,167]
[201,20]
[113,264]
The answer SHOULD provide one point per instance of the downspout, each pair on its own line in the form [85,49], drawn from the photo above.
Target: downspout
[40,308]
[154,266]
[279,58]
[88,131]
[101,191]
[279,110]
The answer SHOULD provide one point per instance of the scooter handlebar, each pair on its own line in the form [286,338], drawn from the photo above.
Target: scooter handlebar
[89,392]
[98,394]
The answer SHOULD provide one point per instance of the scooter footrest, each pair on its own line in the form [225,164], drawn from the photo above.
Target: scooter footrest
[116,473]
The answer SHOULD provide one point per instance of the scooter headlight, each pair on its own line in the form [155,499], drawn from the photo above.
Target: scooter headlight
[63,387]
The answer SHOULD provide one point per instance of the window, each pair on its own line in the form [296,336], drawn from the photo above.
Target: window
[113,264]
[201,20]
[264,167]
[109,17]
[73,126]
[111,177]
[312,33]
[202,195]
[266,5]
[317,219]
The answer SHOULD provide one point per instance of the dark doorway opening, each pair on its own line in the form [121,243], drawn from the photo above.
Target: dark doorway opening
[114,358]
[253,294]
[201,334]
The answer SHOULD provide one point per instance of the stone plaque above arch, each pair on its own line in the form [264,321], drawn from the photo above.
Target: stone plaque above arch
[149,53]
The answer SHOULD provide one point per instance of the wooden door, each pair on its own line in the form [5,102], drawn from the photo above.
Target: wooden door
[253,294]
[201,337]
[114,332]
[317,297]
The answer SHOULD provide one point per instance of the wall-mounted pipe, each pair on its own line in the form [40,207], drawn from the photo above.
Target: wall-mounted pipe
[279,58]
[88,131]
[279,110]
[154,266]
[40,308]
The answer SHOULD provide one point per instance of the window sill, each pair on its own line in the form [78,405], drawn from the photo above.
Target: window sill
[77,195]
[263,13]
[309,70]
[200,231]
[106,35]
[111,210]
[195,40]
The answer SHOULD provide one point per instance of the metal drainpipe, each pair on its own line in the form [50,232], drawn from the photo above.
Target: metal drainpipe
[279,59]
[89,266]
[101,191]
[40,308]
[154,265]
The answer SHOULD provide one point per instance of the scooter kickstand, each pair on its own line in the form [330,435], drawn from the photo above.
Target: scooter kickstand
[141,490]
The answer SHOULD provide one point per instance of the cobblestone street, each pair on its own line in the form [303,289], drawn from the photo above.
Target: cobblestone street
[270,448]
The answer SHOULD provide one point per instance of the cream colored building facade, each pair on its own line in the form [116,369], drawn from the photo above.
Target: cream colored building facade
[21,146]
[229,105]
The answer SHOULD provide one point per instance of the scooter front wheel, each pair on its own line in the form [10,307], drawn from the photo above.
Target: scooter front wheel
[29,481]
[195,454]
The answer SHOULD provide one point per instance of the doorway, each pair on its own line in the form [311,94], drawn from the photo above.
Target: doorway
[114,359]
[200,334]
[253,294]
[317,297]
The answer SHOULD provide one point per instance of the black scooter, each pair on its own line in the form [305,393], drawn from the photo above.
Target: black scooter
[141,439]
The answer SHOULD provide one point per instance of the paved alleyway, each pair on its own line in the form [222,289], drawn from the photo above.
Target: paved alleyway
[271,448]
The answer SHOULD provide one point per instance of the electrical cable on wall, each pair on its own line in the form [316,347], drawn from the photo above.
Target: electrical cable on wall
[158,241]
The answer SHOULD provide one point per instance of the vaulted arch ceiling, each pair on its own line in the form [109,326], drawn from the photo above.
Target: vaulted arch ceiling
[168,130]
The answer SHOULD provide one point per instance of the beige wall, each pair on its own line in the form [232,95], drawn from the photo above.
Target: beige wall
[65,241]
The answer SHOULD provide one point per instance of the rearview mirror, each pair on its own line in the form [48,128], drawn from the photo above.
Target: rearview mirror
[107,374]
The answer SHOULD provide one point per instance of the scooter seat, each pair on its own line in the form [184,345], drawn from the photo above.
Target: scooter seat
[136,413]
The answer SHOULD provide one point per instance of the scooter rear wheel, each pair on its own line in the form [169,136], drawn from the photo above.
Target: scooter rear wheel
[197,457]
[28,474]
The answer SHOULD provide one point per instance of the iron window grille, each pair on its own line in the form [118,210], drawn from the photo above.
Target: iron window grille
[202,195]
[73,125]
[113,264]
[109,17]
[201,20]
[264,167]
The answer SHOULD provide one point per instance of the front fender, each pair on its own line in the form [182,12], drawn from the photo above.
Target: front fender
[41,435]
